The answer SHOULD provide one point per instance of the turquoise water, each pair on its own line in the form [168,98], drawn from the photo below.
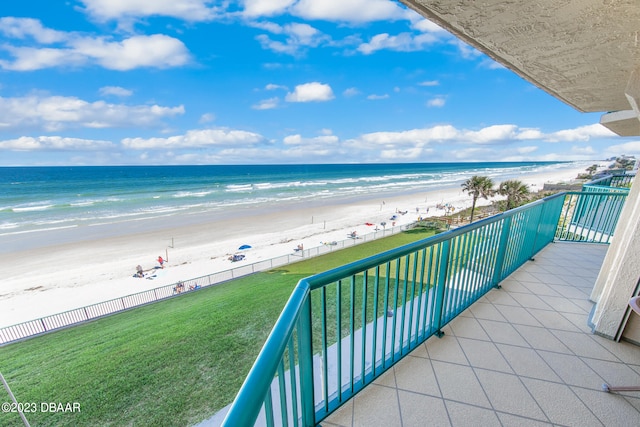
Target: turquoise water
[37,199]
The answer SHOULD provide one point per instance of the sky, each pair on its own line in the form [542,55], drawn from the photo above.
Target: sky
[142,82]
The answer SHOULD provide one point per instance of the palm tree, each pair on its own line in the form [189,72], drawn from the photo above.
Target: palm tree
[516,192]
[478,186]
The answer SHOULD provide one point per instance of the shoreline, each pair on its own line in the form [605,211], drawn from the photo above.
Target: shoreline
[52,279]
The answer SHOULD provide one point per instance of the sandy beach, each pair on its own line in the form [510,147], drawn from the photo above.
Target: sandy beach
[55,278]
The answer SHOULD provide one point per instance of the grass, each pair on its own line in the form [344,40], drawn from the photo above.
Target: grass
[175,362]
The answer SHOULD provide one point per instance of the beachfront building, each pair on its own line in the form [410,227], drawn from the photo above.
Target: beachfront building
[585,53]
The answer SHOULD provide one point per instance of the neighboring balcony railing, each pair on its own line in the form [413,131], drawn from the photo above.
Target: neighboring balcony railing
[343,328]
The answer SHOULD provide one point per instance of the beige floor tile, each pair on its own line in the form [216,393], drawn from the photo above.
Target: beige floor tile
[549,279]
[563,305]
[420,351]
[486,311]
[419,410]
[560,404]
[509,420]
[626,352]
[518,315]
[468,327]
[343,416]
[579,321]
[521,275]
[526,362]
[416,374]
[583,345]
[376,406]
[530,301]
[553,320]
[507,394]
[446,349]
[483,354]
[611,409]
[572,370]
[541,339]
[467,415]
[387,379]
[614,373]
[539,289]
[460,384]
[502,332]
[498,296]
[510,284]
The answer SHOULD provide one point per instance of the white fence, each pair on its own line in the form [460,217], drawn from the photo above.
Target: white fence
[68,318]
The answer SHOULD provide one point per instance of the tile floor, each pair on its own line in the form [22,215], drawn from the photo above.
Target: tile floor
[523,355]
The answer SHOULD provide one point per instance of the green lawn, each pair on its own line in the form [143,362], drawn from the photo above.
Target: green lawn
[170,363]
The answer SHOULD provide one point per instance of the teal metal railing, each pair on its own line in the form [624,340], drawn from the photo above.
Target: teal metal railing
[343,328]
[618,180]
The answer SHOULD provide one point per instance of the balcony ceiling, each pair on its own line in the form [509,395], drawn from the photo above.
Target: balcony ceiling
[582,52]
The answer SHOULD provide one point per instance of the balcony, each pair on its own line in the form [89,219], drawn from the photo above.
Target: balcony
[521,355]
[358,345]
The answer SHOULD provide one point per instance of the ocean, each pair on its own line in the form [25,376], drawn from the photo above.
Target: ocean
[41,199]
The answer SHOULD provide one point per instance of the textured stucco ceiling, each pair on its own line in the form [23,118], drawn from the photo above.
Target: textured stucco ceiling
[580,51]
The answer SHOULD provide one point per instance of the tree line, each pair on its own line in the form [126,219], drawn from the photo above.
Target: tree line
[477,186]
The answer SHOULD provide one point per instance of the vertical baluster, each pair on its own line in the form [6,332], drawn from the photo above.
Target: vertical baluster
[292,378]
[283,394]
[375,319]
[325,361]
[339,336]
[441,286]
[363,346]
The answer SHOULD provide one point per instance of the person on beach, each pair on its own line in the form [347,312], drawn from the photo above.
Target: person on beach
[161,262]
[139,271]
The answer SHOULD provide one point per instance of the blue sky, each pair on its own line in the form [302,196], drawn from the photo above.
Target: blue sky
[132,82]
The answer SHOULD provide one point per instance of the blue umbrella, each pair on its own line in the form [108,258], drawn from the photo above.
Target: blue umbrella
[244,247]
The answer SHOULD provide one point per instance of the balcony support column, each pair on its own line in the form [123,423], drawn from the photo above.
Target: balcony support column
[620,272]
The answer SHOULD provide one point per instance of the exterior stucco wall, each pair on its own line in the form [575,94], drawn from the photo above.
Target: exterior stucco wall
[620,270]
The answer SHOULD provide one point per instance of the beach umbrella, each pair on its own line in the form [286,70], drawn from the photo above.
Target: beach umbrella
[243,247]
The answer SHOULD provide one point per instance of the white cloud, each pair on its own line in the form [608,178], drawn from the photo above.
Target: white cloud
[631,148]
[467,51]
[429,83]
[438,101]
[352,91]
[267,104]
[349,11]
[272,86]
[297,38]
[375,97]
[403,42]
[22,28]
[115,91]
[207,118]
[411,137]
[319,141]
[255,8]
[310,92]
[59,112]
[189,10]
[583,133]
[157,50]
[54,143]
[138,51]
[527,150]
[427,26]
[196,139]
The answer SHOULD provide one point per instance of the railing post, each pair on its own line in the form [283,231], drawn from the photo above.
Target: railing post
[441,286]
[306,364]
[502,251]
